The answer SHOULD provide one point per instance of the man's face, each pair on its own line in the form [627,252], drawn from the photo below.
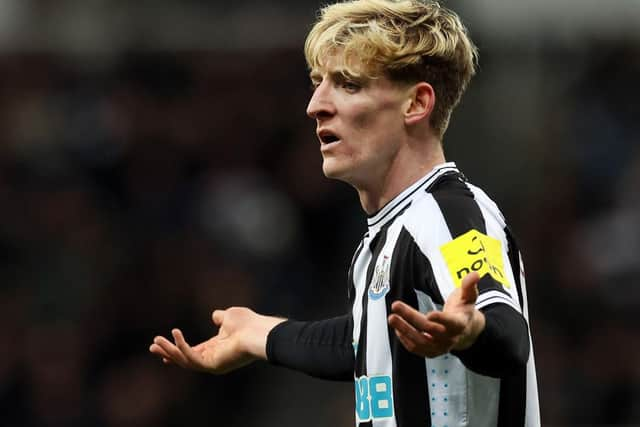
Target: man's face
[360,124]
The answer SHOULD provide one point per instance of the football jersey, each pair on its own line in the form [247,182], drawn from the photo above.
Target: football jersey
[417,249]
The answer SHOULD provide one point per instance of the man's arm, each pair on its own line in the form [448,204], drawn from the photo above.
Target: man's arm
[502,348]
[322,349]
[493,342]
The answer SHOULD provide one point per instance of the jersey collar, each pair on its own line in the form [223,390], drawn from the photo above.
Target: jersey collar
[404,199]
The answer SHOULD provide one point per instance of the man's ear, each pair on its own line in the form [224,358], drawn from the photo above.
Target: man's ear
[421,103]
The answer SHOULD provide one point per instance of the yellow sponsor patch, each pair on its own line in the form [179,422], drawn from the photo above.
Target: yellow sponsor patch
[474,251]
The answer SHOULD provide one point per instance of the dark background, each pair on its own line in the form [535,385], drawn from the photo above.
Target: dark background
[156,163]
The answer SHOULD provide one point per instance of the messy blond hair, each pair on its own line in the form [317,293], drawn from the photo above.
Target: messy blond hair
[407,41]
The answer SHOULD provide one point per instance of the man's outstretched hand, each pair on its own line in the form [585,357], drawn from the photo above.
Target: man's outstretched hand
[241,339]
[456,327]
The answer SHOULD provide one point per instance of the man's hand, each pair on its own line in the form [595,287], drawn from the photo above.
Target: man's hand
[456,327]
[241,339]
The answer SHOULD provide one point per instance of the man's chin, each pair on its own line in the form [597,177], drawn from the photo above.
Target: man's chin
[333,171]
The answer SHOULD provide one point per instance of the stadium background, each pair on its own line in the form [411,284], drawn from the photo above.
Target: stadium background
[156,163]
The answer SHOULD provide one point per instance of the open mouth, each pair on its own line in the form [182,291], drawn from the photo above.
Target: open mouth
[328,137]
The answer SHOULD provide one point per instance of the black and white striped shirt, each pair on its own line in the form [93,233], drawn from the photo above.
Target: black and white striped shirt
[417,249]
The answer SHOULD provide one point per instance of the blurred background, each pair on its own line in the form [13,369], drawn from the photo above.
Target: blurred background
[156,163]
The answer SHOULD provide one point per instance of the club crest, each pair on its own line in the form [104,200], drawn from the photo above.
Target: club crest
[380,284]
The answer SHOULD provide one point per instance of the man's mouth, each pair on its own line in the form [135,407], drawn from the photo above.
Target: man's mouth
[327,137]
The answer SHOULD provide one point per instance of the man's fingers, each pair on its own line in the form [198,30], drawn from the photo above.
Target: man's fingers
[416,319]
[156,349]
[469,288]
[406,342]
[428,347]
[451,323]
[407,330]
[185,348]
[409,314]
[169,351]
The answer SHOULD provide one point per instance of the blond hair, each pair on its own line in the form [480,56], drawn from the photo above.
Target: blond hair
[407,41]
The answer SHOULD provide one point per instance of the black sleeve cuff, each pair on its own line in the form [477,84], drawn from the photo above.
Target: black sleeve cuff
[321,349]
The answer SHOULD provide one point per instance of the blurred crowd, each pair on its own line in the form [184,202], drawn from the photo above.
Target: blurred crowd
[140,191]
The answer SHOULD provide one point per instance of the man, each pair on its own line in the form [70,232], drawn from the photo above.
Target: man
[438,334]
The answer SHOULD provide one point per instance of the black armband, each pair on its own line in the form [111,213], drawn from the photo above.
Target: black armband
[502,348]
[322,349]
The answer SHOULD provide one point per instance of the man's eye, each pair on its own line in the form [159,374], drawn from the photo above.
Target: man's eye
[351,86]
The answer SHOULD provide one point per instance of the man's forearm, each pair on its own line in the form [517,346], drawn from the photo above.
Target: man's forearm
[502,348]
[322,349]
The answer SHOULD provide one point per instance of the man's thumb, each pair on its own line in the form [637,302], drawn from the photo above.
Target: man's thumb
[469,288]
[218,317]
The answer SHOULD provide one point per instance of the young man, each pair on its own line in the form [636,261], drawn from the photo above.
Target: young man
[438,332]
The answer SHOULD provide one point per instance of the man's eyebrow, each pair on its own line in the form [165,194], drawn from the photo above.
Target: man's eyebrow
[335,75]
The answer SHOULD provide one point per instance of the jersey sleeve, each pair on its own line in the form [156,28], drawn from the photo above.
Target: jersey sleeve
[465,232]
[322,349]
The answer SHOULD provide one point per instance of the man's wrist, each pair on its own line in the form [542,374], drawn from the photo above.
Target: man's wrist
[476,327]
[255,342]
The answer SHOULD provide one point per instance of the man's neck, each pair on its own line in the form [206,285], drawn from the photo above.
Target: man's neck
[406,169]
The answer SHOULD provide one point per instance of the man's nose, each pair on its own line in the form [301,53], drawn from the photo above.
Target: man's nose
[321,104]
